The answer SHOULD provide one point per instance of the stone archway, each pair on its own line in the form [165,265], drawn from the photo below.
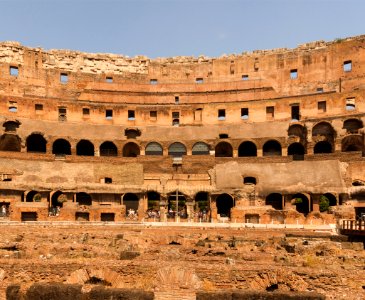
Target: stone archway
[96,276]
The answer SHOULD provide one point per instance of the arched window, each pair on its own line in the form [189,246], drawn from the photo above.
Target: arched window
[247,149]
[153,148]
[322,147]
[223,149]
[131,150]
[275,200]
[83,199]
[202,202]
[33,196]
[352,125]
[272,148]
[85,148]
[224,204]
[36,143]
[10,142]
[11,126]
[249,180]
[108,149]
[177,150]
[200,148]
[61,147]
[58,198]
[297,130]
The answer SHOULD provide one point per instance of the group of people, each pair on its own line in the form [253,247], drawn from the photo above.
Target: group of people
[54,211]
[4,211]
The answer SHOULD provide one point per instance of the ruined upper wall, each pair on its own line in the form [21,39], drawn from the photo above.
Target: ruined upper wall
[317,66]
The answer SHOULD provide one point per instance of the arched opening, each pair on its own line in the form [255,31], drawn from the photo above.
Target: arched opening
[177,150]
[181,205]
[153,199]
[272,148]
[322,147]
[247,149]
[131,150]
[131,203]
[275,200]
[297,130]
[61,147]
[10,142]
[323,129]
[85,148]
[332,200]
[83,199]
[200,148]
[153,148]
[33,196]
[297,150]
[11,126]
[352,143]
[58,198]
[36,143]
[108,149]
[224,204]
[202,202]
[132,133]
[301,203]
[353,125]
[358,183]
[223,149]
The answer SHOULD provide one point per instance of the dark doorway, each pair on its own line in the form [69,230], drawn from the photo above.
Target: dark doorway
[223,149]
[10,142]
[61,147]
[85,148]
[36,143]
[29,216]
[272,148]
[82,216]
[107,217]
[302,203]
[275,200]
[108,149]
[224,204]
[322,147]
[247,149]
[83,199]
[131,150]
[131,202]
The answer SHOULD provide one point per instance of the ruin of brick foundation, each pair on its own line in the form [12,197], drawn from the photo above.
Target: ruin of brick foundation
[268,137]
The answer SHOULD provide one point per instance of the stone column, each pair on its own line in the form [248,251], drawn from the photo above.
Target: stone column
[315,202]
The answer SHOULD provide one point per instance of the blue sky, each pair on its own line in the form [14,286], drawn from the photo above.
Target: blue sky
[164,28]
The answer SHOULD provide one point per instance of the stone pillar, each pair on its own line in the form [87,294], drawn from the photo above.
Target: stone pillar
[259,152]
[284,151]
[315,202]
[190,209]
[235,153]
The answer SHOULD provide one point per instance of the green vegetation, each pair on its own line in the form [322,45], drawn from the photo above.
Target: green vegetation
[324,203]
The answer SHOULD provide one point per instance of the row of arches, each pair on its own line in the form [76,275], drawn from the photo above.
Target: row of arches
[36,143]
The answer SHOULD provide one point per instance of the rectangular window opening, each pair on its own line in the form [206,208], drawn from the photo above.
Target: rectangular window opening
[14,71]
[198,114]
[295,112]
[322,106]
[270,112]
[350,104]
[108,180]
[109,79]
[347,66]
[199,80]
[86,111]
[320,90]
[223,136]
[221,114]
[294,74]
[244,113]
[62,114]
[63,77]
[131,115]
[153,81]
[153,115]
[175,114]
[177,100]
[13,106]
[109,114]
[244,77]
[38,107]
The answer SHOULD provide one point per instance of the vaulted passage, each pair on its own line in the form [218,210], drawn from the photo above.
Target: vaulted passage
[296,149]
[10,142]
[353,142]
[83,199]
[302,203]
[247,149]
[353,125]
[85,148]
[322,147]
[58,198]
[108,149]
[272,148]
[224,204]
[275,200]
[36,143]
[131,150]
[61,147]
[223,149]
